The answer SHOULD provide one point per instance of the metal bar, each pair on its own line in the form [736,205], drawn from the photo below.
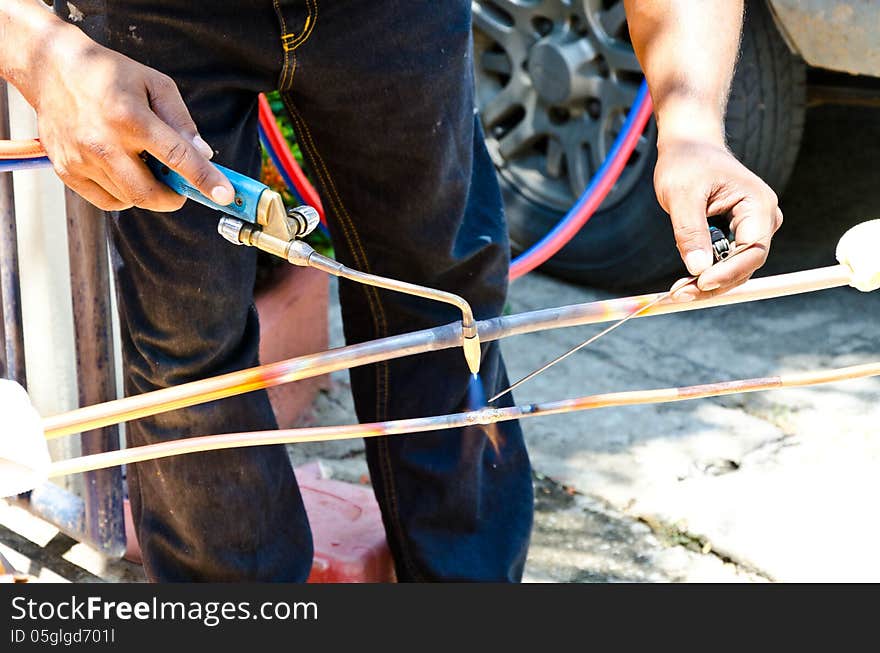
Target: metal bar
[3,363]
[481,417]
[50,502]
[61,508]
[10,289]
[419,342]
[96,370]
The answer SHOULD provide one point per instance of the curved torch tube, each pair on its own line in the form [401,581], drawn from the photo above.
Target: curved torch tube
[472,418]
[299,253]
[470,336]
[417,342]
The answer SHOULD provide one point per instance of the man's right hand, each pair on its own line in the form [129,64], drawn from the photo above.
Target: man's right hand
[97,110]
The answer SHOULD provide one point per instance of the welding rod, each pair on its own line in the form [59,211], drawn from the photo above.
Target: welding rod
[427,340]
[483,416]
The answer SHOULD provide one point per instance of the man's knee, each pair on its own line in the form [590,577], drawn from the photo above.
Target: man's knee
[161,358]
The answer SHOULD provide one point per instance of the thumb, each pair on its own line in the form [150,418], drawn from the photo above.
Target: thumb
[689,225]
[168,105]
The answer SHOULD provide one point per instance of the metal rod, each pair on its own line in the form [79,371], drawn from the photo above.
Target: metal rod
[586,343]
[484,416]
[96,367]
[427,340]
[679,285]
[10,288]
[302,254]
[470,335]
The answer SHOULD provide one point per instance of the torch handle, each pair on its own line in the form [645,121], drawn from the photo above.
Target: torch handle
[247,190]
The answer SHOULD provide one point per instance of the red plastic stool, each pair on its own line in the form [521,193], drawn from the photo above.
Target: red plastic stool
[347,532]
[350,545]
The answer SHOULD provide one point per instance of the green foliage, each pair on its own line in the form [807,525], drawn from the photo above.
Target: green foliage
[266,263]
[283,119]
[317,239]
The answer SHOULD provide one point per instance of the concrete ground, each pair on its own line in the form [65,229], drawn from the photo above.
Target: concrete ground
[769,486]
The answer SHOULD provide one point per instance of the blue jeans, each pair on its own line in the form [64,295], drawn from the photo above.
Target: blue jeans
[381,96]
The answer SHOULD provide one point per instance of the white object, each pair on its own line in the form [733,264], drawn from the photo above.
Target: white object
[859,250]
[24,454]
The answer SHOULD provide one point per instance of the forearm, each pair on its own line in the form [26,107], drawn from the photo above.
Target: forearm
[688,50]
[28,32]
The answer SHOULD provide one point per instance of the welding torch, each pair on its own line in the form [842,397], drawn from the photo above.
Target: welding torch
[258,218]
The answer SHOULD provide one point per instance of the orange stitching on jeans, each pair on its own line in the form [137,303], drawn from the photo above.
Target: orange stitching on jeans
[377,310]
[309,25]
[284,34]
[292,71]
[290,41]
[287,41]
[280,16]
[356,245]
[350,231]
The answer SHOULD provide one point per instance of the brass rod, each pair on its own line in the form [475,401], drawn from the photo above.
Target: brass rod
[471,418]
[418,342]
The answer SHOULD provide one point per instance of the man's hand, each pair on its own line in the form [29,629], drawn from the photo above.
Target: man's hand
[97,110]
[688,50]
[696,179]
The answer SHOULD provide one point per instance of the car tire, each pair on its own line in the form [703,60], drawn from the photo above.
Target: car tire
[628,243]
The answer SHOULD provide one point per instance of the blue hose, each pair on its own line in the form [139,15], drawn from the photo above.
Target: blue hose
[642,97]
[277,162]
[287,180]
[11,165]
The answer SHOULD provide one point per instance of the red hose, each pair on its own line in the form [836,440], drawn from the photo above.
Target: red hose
[526,264]
[277,142]
[29,149]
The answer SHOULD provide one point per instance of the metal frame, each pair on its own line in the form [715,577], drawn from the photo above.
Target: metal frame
[97,517]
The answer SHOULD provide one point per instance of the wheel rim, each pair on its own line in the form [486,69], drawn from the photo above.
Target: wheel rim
[555,80]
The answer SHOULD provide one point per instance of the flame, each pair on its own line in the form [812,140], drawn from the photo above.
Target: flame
[476,399]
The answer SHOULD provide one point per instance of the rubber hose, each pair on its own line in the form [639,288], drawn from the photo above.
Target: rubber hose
[595,193]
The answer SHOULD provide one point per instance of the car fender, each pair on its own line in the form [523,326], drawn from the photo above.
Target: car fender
[840,35]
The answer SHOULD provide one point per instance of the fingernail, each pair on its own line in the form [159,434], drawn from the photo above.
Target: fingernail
[697,261]
[222,195]
[685,295]
[203,147]
[711,285]
[681,283]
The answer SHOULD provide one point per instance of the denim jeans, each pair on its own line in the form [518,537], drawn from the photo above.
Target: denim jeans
[381,96]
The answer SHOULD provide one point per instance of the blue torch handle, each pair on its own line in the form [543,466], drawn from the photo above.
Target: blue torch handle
[247,190]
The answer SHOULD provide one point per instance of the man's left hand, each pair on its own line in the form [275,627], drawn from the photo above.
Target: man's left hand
[697,179]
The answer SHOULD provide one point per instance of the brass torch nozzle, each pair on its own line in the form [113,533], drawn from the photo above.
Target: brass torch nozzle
[299,253]
[472,353]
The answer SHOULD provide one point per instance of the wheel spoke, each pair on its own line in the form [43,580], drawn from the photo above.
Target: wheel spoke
[620,56]
[517,139]
[614,94]
[613,20]
[523,11]
[590,7]
[495,62]
[555,157]
[507,100]
[577,162]
[492,23]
